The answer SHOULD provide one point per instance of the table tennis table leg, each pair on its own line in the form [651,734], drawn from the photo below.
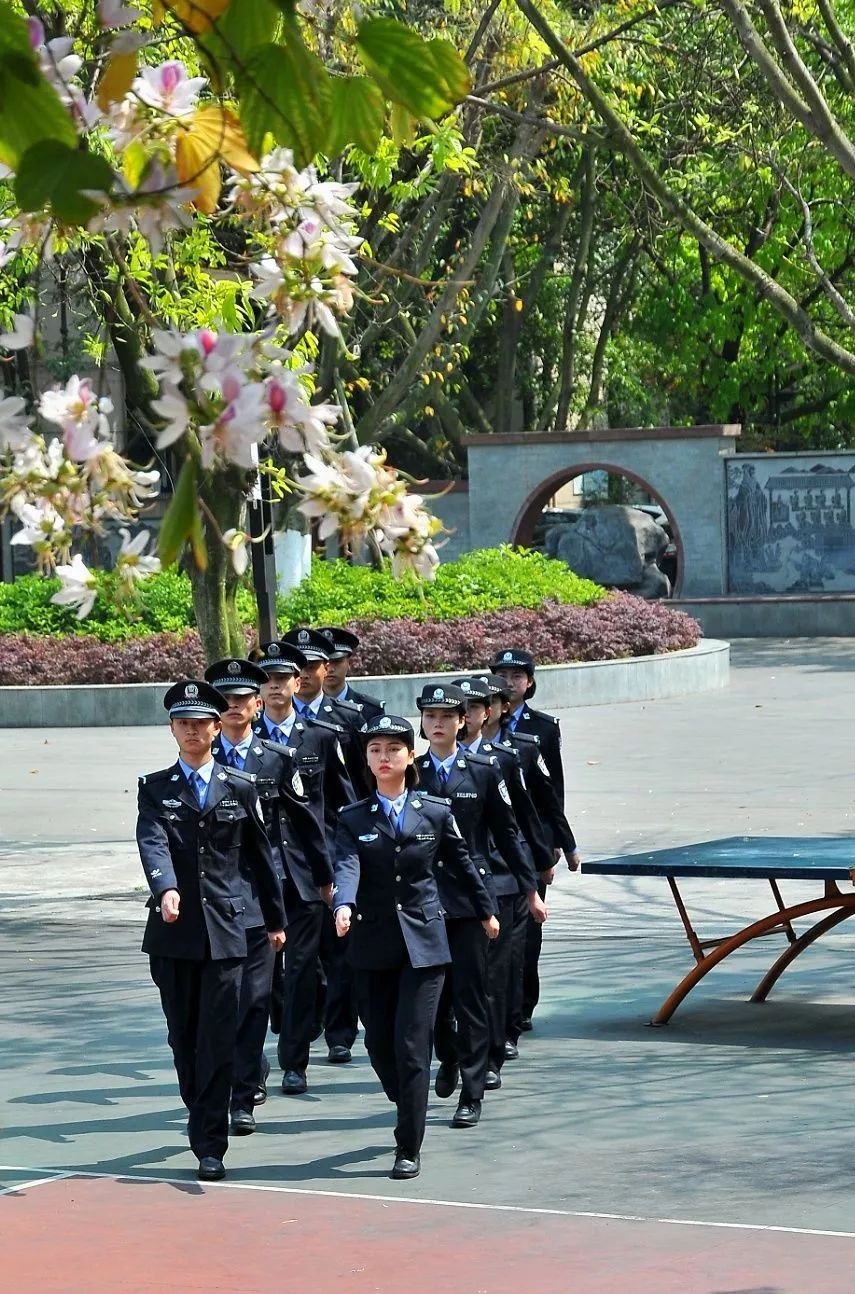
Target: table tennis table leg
[794,950]
[691,935]
[742,937]
[788,929]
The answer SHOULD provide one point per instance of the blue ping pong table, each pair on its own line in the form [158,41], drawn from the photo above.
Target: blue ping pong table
[822,859]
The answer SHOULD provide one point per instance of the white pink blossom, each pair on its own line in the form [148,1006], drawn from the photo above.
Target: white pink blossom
[21,336]
[169,89]
[78,587]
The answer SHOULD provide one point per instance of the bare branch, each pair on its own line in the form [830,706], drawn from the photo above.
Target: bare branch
[846,314]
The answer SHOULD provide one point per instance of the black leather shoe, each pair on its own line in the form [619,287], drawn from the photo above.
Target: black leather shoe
[512,1051]
[467,1114]
[405,1166]
[294,1083]
[243,1123]
[493,1081]
[339,1055]
[526,1025]
[211,1169]
[447,1078]
[259,1096]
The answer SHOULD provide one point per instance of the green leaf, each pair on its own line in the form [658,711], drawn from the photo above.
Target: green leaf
[357,114]
[134,162]
[426,77]
[178,522]
[402,125]
[285,91]
[244,26]
[30,109]
[52,174]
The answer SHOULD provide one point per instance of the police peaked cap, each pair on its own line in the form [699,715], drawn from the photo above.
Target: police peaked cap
[312,644]
[194,699]
[389,725]
[475,689]
[493,685]
[341,641]
[441,696]
[280,658]
[236,675]
[514,658]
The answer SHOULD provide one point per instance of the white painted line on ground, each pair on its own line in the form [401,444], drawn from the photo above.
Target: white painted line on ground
[36,1181]
[438,1204]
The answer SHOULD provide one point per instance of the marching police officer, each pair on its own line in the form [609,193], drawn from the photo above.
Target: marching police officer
[209,867]
[390,849]
[517,667]
[295,831]
[481,805]
[320,759]
[505,960]
[343,644]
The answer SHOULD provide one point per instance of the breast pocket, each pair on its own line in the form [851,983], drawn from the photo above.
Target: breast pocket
[431,911]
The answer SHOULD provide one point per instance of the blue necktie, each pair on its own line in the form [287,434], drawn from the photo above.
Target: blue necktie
[200,787]
[235,759]
[277,735]
[396,818]
[443,775]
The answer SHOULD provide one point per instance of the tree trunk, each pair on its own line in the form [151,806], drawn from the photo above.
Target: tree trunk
[215,589]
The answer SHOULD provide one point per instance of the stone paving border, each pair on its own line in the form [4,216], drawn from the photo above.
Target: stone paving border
[581,683]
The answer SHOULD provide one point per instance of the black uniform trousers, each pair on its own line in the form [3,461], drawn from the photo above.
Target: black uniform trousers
[252,1017]
[299,984]
[398,1009]
[531,978]
[201,1002]
[499,957]
[464,999]
[341,1022]
[522,923]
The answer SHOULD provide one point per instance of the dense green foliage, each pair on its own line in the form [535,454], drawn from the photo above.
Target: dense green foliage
[489,579]
[335,593]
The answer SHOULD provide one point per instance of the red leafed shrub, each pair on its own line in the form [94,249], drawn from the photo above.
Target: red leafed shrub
[41,660]
[620,625]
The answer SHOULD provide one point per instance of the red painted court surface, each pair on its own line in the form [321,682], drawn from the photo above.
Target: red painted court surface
[88,1235]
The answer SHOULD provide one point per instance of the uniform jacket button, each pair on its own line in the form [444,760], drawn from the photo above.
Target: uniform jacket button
[201,873]
[483,871]
[204,900]
[399,906]
[359,916]
[397,878]
[397,849]
[440,863]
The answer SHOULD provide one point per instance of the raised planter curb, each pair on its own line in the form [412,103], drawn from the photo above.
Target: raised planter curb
[559,687]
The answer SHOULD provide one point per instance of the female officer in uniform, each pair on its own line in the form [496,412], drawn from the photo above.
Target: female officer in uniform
[387,849]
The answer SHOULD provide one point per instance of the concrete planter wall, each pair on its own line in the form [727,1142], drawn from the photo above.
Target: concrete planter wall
[640,678]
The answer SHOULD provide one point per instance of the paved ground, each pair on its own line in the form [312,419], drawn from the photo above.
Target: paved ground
[734,1114]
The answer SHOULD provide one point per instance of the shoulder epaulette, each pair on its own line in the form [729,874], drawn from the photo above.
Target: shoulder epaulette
[434,799]
[278,748]
[349,705]
[365,699]
[524,738]
[241,775]
[337,728]
[357,804]
[159,776]
[478,757]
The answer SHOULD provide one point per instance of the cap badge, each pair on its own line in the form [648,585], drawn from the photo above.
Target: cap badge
[303,636]
[233,667]
[273,649]
[465,687]
[438,694]
[191,690]
[509,655]
[385,722]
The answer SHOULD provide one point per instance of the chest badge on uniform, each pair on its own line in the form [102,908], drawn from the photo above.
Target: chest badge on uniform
[369,836]
[229,804]
[172,804]
[427,835]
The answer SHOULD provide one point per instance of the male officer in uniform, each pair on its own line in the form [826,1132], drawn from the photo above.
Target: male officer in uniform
[313,705]
[296,834]
[320,760]
[343,644]
[209,867]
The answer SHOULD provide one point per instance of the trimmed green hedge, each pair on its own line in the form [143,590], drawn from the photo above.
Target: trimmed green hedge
[491,579]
